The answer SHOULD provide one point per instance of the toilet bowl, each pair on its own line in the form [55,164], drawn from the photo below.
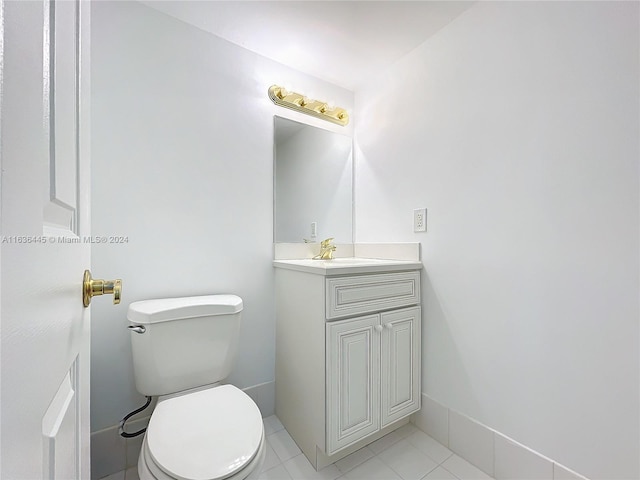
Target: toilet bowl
[212,434]
[199,430]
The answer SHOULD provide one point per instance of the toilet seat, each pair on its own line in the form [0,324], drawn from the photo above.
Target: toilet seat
[211,434]
[147,470]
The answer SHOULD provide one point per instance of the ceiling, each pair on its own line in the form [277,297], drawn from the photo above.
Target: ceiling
[342,42]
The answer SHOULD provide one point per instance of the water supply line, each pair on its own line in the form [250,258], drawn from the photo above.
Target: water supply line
[128,416]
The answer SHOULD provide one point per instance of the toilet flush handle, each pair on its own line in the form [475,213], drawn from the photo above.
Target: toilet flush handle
[137,328]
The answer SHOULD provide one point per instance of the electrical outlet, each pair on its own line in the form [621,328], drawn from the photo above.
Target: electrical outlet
[420,220]
[314,230]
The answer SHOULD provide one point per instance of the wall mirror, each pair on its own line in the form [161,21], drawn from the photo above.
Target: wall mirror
[313,184]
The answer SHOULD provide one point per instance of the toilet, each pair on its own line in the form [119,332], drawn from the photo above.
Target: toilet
[201,429]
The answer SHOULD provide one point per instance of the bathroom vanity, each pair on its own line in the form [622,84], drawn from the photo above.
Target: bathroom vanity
[348,350]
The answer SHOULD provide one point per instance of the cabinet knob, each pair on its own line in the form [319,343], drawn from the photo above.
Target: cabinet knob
[378,328]
[388,326]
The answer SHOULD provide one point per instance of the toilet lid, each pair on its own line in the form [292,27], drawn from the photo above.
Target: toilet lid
[205,435]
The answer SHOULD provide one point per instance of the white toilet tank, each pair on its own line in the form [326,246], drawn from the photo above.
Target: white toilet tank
[187,342]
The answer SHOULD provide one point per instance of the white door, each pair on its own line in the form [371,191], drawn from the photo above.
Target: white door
[45,218]
[400,364]
[353,378]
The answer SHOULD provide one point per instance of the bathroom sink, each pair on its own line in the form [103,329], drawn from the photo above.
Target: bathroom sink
[347,265]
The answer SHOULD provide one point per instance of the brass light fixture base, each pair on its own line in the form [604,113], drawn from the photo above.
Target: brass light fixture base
[300,103]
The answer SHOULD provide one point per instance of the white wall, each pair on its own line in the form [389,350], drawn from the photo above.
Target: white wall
[182,165]
[517,127]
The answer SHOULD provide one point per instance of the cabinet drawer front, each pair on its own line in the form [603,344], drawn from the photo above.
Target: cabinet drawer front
[347,296]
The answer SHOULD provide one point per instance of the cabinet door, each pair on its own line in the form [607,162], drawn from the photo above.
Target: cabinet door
[353,377]
[400,364]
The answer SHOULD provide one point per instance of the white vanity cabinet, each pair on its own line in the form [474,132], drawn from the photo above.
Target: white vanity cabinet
[372,374]
[348,350]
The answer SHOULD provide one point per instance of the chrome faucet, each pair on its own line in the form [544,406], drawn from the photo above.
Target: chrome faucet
[326,250]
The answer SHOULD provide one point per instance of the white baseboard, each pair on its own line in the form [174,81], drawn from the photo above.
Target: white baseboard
[489,450]
[111,453]
[264,395]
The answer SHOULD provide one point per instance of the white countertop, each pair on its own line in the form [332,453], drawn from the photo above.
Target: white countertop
[347,266]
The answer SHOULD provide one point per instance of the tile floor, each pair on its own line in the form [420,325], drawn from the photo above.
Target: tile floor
[405,454]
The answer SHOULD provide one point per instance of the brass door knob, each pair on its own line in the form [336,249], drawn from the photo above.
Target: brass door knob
[92,287]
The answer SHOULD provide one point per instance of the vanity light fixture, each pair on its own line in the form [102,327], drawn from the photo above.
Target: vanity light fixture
[296,101]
